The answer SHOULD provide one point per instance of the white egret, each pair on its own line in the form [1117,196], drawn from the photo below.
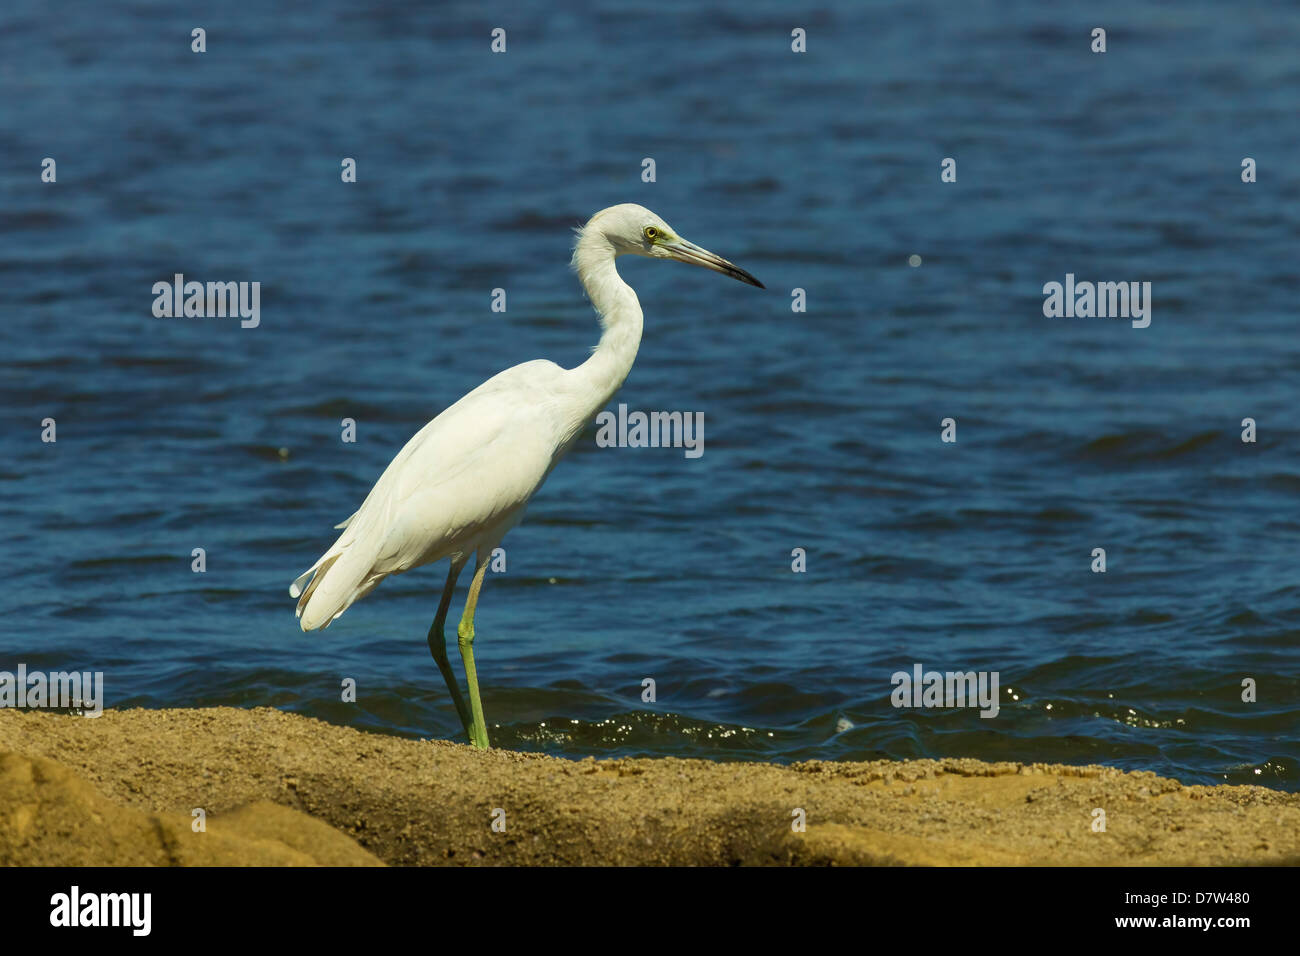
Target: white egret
[466,477]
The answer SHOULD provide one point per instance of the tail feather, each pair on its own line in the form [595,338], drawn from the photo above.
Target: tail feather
[340,578]
[317,575]
[301,580]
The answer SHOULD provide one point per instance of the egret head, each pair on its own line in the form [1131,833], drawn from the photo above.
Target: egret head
[635,230]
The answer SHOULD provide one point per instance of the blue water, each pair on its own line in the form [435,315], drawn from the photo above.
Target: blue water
[818,171]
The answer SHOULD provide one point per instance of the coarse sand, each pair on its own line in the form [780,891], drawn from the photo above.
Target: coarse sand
[277,788]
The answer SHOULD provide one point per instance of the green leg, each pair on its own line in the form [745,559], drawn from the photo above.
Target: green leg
[478,731]
[438,645]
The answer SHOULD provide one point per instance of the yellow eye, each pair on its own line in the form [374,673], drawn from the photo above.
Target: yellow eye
[651,233]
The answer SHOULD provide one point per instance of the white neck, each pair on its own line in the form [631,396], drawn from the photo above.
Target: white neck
[620,319]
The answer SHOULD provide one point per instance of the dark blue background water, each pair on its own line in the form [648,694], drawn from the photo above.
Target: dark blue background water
[818,171]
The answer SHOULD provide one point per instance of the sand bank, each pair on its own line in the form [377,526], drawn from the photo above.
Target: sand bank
[278,788]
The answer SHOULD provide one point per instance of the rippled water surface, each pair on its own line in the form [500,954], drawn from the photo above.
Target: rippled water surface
[817,171]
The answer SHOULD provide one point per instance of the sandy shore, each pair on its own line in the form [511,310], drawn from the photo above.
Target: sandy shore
[277,788]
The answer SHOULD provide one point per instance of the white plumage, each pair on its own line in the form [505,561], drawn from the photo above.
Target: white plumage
[466,477]
[457,486]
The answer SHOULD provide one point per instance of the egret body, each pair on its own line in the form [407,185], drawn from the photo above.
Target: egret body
[466,477]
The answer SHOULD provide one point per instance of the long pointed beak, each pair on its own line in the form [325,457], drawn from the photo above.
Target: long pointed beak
[690,253]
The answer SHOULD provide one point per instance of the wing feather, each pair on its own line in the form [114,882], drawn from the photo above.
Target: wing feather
[466,473]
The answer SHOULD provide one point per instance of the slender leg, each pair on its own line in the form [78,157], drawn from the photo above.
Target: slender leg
[438,645]
[478,732]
